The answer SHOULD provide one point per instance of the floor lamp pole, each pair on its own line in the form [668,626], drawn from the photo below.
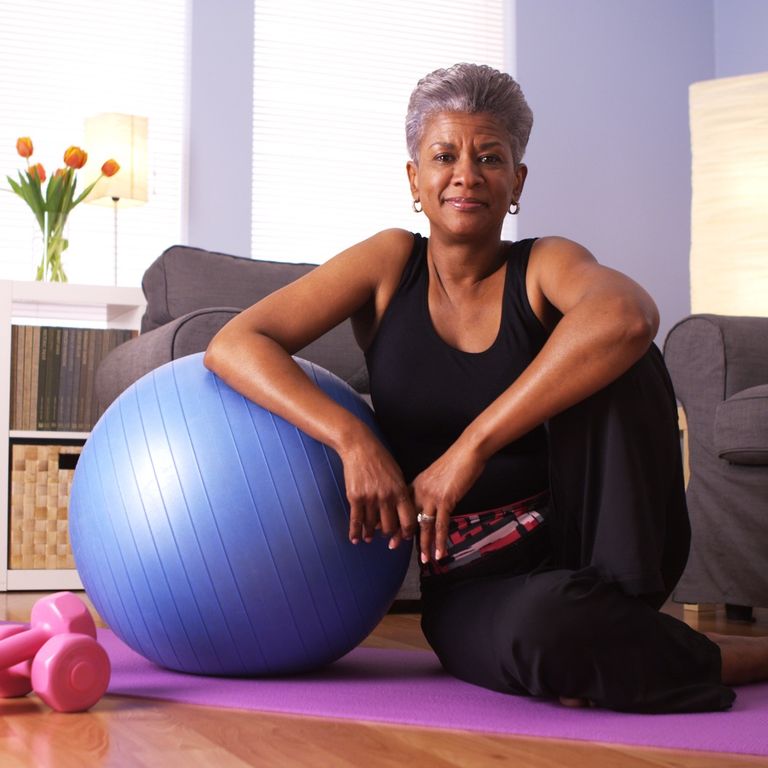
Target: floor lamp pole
[115,201]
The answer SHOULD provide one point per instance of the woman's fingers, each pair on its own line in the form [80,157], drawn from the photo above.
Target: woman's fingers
[433,537]
[437,490]
[356,518]
[401,521]
[426,520]
[371,521]
[379,499]
[406,516]
[395,521]
[441,532]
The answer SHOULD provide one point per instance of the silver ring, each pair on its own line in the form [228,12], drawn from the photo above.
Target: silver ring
[422,518]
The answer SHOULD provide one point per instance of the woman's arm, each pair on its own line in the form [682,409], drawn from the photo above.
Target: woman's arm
[252,353]
[602,322]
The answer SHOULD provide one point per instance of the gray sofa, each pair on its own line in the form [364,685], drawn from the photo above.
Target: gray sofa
[719,367]
[191,293]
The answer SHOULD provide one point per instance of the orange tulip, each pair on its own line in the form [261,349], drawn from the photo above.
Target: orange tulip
[59,173]
[110,168]
[37,172]
[75,157]
[24,146]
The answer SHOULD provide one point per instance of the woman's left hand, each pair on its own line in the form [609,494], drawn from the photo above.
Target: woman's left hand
[437,491]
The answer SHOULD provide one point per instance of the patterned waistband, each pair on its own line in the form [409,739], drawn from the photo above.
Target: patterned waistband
[479,534]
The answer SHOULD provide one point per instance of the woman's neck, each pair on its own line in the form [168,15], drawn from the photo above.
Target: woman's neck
[465,264]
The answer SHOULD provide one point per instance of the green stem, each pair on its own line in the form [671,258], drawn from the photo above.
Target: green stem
[54,246]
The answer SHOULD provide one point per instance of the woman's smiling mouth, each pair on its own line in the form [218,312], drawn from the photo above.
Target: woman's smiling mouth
[464,203]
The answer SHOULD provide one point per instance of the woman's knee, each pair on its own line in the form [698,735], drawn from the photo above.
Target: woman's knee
[549,640]
[550,608]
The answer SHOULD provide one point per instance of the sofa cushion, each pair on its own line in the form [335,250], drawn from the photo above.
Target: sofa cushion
[184,279]
[741,427]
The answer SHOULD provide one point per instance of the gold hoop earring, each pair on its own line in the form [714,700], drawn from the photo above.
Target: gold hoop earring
[517,207]
[416,207]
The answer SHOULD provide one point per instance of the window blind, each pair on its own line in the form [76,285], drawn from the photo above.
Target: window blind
[63,62]
[331,87]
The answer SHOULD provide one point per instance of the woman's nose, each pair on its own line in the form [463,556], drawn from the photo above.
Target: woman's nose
[467,171]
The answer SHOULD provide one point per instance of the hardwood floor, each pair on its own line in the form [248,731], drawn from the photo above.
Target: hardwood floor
[135,733]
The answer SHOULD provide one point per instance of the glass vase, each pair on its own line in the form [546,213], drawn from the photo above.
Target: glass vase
[50,269]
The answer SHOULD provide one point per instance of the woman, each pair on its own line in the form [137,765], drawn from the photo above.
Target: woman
[531,421]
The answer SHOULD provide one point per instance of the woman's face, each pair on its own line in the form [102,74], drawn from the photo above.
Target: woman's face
[466,177]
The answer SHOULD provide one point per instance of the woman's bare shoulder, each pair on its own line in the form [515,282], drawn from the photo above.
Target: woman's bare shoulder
[384,251]
[564,273]
[379,262]
[556,247]
[396,246]
[555,262]
[362,269]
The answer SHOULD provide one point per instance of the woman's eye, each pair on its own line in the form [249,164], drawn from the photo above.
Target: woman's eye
[490,159]
[443,157]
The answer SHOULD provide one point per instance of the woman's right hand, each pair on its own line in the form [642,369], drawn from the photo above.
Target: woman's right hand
[378,496]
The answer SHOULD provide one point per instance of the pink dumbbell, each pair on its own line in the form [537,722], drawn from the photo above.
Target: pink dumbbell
[70,673]
[70,670]
[14,681]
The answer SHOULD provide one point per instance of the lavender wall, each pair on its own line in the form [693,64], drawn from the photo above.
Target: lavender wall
[609,158]
[741,37]
[220,125]
[610,153]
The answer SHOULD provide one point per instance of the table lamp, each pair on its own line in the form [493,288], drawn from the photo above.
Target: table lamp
[124,138]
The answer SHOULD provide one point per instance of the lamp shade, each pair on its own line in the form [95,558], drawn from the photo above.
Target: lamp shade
[124,138]
[729,205]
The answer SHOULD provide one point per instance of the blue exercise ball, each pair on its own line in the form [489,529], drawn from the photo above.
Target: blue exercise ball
[212,535]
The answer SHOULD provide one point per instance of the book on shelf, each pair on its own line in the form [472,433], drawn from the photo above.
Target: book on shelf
[52,375]
[65,377]
[71,394]
[17,375]
[31,373]
[48,377]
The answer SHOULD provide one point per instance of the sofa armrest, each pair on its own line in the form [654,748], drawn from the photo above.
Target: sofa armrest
[741,427]
[184,336]
[712,357]
[336,350]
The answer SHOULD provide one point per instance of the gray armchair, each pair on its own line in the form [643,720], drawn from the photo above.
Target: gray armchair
[191,293]
[719,367]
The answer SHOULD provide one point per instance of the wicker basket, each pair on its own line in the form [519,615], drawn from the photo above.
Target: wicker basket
[39,500]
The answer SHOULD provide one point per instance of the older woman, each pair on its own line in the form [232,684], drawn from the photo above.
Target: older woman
[532,425]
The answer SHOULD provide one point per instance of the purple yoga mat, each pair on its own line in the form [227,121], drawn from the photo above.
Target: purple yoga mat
[410,688]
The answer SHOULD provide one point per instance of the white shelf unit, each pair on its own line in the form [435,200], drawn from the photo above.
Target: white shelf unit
[61,304]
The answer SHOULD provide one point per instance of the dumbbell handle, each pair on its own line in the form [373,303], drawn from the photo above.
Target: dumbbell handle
[22,646]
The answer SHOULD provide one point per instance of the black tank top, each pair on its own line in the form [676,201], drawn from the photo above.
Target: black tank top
[425,392]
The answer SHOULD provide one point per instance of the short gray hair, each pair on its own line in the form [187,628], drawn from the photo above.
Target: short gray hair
[469,88]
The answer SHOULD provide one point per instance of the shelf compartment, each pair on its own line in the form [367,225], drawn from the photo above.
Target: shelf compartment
[41,479]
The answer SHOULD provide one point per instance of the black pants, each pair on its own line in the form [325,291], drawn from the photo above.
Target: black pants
[572,610]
